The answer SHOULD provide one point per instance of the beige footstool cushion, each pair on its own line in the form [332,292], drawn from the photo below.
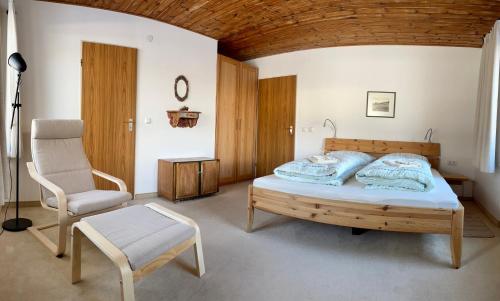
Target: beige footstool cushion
[138,239]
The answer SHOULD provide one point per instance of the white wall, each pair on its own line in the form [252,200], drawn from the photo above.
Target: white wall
[50,37]
[487,192]
[436,87]
[3,164]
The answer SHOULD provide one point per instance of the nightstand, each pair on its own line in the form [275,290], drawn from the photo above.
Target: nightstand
[456,179]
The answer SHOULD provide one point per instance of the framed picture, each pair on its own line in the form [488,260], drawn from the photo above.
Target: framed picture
[380,104]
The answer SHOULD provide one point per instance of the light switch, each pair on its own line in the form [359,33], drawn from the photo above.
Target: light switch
[147,120]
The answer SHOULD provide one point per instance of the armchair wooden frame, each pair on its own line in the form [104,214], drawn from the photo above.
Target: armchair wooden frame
[64,217]
[120,259]
[363,215]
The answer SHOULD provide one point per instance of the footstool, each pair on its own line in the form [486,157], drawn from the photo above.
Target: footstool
[138,239]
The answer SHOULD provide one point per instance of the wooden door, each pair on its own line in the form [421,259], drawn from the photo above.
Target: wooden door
[186,179]
[109,78]
[276,123]
[227,96]
[247,123]
[209,177]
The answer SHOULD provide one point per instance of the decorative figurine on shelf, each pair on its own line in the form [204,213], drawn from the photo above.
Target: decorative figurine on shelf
[183,117]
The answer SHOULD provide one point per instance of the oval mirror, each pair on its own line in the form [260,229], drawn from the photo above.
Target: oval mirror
[181,88]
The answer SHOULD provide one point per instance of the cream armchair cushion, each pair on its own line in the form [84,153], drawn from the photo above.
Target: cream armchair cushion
[65,176]
[59,156]
[93,200]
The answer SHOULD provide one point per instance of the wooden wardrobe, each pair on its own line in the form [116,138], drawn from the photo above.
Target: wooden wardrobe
[237,90]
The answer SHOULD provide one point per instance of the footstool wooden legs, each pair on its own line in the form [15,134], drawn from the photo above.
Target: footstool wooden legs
[198,250]
[118,256]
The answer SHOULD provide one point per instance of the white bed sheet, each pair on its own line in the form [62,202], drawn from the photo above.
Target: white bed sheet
[442,196]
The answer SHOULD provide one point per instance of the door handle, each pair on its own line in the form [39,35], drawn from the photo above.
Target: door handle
[290,129]
[130,124]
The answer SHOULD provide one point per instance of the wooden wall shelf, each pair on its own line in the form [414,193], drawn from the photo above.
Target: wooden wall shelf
[183,118]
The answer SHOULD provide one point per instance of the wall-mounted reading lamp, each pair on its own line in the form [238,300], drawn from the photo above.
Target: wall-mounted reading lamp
[334,128]
[428,135]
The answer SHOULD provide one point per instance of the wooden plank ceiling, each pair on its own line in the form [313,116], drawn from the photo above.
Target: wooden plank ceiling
[249,29]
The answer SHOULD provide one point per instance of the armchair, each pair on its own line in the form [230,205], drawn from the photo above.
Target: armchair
[65,177]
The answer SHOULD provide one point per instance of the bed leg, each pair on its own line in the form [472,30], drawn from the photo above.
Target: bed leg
[457,229]
[250,209]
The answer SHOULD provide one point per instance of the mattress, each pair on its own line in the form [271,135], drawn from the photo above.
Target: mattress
[442,196]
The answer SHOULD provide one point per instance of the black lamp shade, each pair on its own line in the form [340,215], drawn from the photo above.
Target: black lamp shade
[17,62]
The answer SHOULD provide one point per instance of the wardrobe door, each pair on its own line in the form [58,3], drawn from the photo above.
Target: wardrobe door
[226,132]
[247,119]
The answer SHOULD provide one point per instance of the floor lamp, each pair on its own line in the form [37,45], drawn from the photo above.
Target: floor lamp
[17,224]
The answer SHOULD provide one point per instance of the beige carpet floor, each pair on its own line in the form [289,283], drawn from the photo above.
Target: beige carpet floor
[284,259]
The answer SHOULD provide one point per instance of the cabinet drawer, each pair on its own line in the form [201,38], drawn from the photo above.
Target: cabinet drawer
[186,180]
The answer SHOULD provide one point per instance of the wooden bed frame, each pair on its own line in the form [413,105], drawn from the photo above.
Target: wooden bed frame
[364,215]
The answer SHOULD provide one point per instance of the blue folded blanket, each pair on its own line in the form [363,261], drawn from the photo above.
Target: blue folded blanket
[346,165]
[408,172]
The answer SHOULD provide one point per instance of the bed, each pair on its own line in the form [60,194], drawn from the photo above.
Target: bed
[438,211]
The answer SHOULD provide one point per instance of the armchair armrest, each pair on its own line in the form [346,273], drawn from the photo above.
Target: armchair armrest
[121,184]
[56,190]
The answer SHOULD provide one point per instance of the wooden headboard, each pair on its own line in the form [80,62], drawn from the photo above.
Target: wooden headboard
[378,148]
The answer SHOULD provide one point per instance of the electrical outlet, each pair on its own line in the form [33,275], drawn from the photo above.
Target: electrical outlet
[452,163]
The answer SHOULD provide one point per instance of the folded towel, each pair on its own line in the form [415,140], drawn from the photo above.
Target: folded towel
[403,164]
[322,159]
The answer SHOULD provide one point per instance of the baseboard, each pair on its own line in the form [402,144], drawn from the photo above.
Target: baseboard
[142,196]
[23,204]
[490,216]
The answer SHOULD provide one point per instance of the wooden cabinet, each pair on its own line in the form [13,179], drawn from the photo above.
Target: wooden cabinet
[237,85]
[184,178]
